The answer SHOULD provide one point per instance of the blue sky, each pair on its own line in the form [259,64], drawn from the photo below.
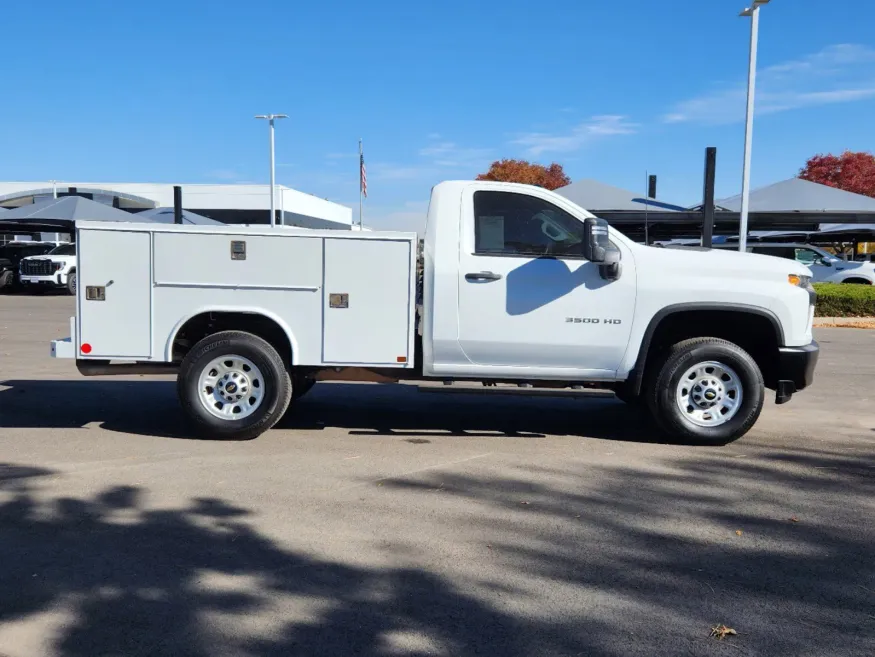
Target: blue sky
[166,91]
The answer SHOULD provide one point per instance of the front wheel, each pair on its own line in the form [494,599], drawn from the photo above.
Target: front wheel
[233,386]
[708,391]
[71,284]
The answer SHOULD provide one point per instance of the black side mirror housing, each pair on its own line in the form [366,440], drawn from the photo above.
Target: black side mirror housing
[595,240]
[597,248]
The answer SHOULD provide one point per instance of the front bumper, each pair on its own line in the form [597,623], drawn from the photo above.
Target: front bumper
[795,369]
[55,279]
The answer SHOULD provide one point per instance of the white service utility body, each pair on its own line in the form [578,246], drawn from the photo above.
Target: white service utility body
[516,285]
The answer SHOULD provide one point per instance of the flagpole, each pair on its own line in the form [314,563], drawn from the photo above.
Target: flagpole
[361,189]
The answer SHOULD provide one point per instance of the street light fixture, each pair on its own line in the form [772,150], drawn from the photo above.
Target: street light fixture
[271,118]
[753,12]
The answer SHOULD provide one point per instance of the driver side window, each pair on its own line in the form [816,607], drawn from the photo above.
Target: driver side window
[807,256]
[512,224]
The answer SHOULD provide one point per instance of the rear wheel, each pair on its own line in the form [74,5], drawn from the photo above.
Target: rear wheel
[233,386]
[71,284]
[708,391]
[856,281]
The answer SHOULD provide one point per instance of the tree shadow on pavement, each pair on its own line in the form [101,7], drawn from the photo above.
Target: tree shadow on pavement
[150,408]
[625,562]
[780,547]
[136,581]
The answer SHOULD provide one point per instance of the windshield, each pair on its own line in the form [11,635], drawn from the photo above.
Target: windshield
[64,250]
[813,253]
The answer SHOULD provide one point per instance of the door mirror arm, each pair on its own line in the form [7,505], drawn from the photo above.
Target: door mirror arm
[611,268]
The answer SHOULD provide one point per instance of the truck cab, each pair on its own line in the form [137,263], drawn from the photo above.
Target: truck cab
[518,286]
[511,292]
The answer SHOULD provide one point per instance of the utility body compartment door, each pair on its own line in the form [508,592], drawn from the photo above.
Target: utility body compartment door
[528,299]
[368,309]
[114,294]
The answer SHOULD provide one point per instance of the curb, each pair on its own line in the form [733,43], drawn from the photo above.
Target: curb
[845,322]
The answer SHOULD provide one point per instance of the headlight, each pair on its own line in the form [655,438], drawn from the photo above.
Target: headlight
[798,280]
[58,265]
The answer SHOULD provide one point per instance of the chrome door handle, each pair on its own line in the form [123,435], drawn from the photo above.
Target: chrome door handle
[475,277]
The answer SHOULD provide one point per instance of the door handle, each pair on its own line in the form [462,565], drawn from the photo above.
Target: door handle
[482,276]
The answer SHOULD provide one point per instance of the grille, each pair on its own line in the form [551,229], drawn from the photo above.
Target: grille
[37,267]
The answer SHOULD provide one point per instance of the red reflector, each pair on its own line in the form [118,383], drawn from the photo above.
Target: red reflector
[401,359]
[85,348]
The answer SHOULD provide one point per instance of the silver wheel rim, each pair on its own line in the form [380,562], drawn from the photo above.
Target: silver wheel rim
[231,387]
[709,394]
[73,282]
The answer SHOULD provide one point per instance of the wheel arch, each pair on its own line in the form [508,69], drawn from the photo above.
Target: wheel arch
[730,315]
[238,318]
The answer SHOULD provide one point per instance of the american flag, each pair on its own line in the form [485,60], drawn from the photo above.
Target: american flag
[363,175]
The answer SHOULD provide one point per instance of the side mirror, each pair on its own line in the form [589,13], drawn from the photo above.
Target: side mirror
[597,248]
[823,261]
[595,240]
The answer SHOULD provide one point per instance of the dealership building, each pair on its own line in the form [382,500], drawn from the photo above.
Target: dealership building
[230,204]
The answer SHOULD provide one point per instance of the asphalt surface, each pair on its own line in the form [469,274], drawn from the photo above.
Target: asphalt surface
[379,520]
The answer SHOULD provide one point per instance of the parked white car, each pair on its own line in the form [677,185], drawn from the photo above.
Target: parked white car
[824,266]
[57,269]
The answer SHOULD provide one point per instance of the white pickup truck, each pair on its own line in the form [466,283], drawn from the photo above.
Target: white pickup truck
[57,269]
[518,286]
[825,267]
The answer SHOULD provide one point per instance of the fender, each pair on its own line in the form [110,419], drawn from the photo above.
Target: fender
[636,376]
[249,310]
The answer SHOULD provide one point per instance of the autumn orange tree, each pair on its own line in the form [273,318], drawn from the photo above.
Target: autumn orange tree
[529,173]
[852,172]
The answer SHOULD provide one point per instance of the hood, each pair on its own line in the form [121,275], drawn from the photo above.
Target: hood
[56,258]
[845,265]
[711,260]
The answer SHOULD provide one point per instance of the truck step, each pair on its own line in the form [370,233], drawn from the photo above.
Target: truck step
[468,389]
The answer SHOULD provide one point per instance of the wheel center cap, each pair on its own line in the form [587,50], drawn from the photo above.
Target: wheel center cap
[233,386]
[710,395]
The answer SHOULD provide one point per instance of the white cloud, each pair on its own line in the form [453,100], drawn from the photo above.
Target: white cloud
[437,160]
[227,175]
[409,216]
[388,171]
[446,154]
[837,74]
[597,127]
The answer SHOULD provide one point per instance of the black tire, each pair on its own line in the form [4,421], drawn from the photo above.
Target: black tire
[276,382]
[856,281]
[663,386]
[71,284]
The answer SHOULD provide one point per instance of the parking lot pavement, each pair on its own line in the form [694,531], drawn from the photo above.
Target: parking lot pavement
[378,520]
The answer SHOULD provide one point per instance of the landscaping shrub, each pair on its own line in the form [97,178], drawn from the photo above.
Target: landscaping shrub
[843,300]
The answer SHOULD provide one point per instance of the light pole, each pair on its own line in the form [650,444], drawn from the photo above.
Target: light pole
[270,118]
[754,13]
